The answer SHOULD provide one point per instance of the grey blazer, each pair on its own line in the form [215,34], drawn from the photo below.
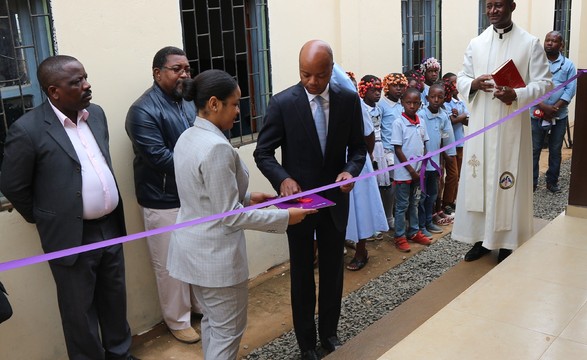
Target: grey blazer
[41,176]
[212,179]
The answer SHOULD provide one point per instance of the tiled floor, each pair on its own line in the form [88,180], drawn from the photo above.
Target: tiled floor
[532,306]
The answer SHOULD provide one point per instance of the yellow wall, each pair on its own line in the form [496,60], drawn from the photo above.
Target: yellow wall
[116,41]
[364,39]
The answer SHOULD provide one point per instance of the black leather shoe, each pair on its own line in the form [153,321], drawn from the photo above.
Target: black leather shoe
[554,188]
[503,253]
[476,252]
[331,344]
[310,355]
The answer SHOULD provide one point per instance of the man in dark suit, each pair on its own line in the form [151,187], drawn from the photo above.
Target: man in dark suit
[314,123]
[57,173]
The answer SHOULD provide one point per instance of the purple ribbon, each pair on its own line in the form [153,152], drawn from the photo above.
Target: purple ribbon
[13,264]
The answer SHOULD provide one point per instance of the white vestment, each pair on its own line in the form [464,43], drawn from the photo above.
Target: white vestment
[494,203]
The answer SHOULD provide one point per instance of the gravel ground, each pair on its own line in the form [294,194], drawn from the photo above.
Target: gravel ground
[547,205]
[382,294]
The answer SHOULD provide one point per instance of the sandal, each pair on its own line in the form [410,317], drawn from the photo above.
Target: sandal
[444,215]
[377,236]
[356,264]
[442,221]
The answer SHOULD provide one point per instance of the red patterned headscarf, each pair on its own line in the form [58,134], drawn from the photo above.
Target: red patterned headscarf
[365,85]
[393,79]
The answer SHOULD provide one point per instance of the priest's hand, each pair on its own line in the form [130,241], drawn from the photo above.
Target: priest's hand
[484,83]
[505,94]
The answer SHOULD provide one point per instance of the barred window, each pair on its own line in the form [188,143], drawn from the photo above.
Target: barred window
[232,35]
[483,20]
[562,22]
[421,32]
[26,38]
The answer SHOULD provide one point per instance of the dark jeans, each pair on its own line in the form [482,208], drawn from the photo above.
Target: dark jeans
[428,199]
[407,199]
[555,144]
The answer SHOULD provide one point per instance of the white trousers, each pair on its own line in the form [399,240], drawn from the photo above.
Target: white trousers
[224,321]
[174,295]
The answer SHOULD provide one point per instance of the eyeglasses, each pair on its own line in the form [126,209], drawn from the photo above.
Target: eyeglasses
[178,70]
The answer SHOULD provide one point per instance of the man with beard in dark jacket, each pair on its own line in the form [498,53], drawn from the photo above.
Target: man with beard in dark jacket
[154,123]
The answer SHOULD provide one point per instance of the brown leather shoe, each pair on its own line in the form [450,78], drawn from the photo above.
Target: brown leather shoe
[188,336]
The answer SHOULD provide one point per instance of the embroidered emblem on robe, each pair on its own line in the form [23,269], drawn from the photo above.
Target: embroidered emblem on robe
[474,163]
[506,180]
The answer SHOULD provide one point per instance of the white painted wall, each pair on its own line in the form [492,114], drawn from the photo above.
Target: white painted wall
[116,41]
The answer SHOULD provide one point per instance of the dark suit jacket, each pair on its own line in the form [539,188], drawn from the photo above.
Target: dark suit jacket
[41,176]
[289,124]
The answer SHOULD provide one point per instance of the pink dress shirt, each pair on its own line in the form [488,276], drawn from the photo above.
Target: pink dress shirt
[99,192]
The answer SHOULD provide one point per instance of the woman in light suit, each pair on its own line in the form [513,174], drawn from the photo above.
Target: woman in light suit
[211,179]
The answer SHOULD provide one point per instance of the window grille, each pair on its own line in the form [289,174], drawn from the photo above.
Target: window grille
[232,35]
[26,38]
[562,22]
[483,20]
[421,32]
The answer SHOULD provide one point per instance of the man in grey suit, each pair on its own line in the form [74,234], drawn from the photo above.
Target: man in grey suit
[57,173]
[314,123]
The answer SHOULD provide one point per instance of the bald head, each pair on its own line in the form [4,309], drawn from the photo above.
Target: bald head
[314,48]
[316,62]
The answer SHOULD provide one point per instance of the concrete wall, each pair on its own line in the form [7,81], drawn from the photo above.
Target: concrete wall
[116,41]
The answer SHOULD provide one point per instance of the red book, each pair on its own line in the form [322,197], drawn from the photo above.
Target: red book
[312,201]
[508,75]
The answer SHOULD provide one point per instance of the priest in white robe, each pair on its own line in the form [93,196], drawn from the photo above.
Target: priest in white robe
[494,205]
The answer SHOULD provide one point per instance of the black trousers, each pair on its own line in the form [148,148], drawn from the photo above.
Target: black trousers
[303,288]
[92,298]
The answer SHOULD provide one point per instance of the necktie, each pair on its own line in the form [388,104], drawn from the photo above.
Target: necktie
[320,120]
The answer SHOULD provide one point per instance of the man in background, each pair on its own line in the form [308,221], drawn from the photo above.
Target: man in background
[552,115]
[154,123]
